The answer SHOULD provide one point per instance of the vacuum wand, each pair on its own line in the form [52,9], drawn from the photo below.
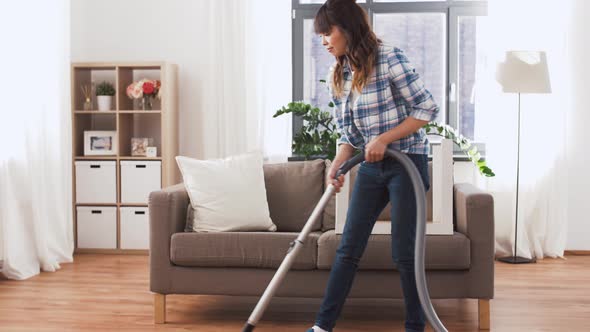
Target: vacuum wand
[419,250]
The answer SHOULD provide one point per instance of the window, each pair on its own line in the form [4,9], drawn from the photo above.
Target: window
[316,64]
[466,73]
[466,67]
[437,35]
[422,36]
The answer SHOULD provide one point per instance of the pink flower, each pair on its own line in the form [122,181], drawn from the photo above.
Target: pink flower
[129,90]
[137,91]
[145,86]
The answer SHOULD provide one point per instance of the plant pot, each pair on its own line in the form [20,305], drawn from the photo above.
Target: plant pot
[104,103]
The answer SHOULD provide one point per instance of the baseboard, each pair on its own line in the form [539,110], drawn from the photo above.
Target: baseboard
[577,252]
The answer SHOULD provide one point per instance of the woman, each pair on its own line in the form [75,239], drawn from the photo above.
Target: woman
[380,103]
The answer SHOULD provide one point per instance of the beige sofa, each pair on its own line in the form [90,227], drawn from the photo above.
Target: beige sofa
[242,263]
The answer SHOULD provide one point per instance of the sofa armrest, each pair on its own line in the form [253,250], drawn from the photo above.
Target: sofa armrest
[474,212]
[474,217]
[167,208]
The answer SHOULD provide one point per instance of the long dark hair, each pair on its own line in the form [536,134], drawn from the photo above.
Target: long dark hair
[362,43]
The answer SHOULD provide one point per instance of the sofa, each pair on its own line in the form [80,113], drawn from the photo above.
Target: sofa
[460,265]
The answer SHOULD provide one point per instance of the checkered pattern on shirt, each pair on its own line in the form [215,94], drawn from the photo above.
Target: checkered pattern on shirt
[393,92]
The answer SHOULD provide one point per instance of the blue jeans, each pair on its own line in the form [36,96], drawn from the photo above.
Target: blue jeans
[377,184]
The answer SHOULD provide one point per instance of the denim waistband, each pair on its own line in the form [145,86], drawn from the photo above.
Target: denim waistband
[387,160]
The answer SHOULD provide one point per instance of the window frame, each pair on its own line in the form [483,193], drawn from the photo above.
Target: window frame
[453,9]
[453,66]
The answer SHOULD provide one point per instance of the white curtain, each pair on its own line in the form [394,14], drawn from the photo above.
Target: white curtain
[543,187]
[35,145]
[249,78]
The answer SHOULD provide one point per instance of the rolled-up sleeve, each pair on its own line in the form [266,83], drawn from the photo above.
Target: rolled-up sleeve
[343,139]
[407,81]
[337,109]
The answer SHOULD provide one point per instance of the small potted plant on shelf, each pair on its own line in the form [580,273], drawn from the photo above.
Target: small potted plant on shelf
[145,90]
[104,95]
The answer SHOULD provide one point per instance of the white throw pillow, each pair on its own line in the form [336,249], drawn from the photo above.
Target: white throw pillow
[227,194]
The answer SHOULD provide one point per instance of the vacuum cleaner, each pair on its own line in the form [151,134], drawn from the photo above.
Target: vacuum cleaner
[296,245]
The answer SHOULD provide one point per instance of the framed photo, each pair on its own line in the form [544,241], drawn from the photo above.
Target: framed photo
[139,146]
[151,151]
[100,143]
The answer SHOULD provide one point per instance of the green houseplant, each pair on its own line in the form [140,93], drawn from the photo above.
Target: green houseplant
[104,95]
[311,140]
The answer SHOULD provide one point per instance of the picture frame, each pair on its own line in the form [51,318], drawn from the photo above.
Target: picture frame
[139,146]
[151,152]
[100,143]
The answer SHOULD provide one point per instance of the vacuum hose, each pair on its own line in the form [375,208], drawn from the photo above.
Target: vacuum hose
[420,248]
[419,252]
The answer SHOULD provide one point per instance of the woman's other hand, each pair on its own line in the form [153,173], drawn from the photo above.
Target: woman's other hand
[331,175]
[375,150]
[344,153]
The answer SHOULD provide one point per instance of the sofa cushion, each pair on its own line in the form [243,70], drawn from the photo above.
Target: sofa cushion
[241,249]
[329,217]
[227,195]
[293,190]
[443,252]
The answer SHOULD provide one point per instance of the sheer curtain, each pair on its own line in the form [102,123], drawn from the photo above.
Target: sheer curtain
[249,51]
[543,187]
[35,149]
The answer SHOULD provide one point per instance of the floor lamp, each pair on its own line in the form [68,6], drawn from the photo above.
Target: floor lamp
[522,72]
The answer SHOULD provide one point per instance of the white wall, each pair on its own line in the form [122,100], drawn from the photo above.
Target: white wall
[579,159]
[150,30]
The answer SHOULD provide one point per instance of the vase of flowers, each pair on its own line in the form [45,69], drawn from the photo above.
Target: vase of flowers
[145,91]
[104,95]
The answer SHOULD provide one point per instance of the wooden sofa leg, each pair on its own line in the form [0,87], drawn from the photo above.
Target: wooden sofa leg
[484,314]
[159,308]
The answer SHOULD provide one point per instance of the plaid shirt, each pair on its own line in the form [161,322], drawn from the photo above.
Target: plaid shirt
[393,92]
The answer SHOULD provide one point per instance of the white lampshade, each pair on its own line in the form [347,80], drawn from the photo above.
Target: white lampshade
[524,72]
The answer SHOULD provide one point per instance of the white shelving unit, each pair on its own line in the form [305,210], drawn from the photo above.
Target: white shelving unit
[110,192]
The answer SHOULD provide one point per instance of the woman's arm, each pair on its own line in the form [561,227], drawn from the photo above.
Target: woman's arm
[409,126]
[407,81]
[375,150]
[423,109]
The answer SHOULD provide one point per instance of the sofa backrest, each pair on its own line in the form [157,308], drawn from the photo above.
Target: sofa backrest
[293,190]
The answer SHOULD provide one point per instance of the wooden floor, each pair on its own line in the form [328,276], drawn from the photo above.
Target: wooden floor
[109,293]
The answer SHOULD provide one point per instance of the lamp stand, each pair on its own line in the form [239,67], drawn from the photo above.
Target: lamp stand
[514,259]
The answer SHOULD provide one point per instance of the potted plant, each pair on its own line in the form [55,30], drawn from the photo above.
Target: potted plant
[317,137]
[104,95]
